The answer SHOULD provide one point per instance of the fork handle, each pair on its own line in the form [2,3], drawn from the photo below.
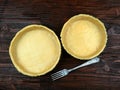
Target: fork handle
[92,61]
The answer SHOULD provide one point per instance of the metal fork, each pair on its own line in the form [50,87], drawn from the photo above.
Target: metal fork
[65,72]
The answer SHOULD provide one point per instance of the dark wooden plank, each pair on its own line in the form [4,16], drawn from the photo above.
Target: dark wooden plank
[15,14]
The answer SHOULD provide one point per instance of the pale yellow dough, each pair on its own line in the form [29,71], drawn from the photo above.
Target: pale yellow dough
[84,36]
[35,50]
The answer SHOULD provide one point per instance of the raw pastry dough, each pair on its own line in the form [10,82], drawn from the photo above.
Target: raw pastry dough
[84,36]
[35,50]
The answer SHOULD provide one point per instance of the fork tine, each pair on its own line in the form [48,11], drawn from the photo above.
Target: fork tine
[57,75]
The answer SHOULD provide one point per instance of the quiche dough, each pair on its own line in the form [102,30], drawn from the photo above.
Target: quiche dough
[35,50]
[84,36]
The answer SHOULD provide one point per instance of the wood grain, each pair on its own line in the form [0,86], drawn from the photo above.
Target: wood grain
[15,14]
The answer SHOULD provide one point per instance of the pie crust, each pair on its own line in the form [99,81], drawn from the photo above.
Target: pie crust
[84,36]
[35,50]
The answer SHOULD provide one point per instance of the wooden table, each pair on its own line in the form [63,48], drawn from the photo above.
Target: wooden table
[15,14]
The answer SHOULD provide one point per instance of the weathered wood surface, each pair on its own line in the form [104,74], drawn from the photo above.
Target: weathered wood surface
[15,14]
